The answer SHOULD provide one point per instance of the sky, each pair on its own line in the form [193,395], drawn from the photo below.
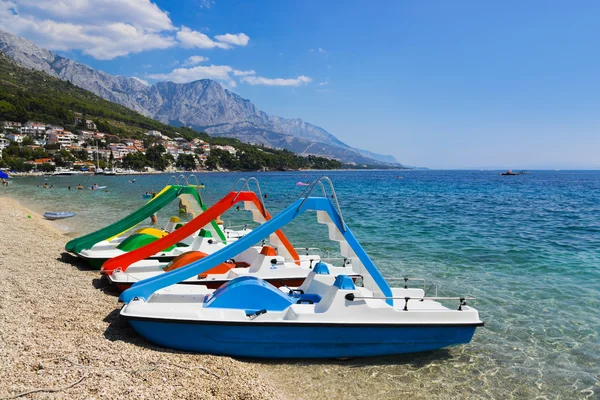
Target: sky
[447,84]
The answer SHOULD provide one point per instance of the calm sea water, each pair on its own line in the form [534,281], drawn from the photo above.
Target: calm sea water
[528,247]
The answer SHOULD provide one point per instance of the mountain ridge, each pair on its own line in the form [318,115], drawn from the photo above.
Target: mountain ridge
[202,104]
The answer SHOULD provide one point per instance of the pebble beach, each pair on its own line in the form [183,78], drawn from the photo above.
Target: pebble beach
[61,336]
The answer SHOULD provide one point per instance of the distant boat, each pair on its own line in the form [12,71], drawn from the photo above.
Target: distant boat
[302,183]
[509,172]
[524,173]
[54,215]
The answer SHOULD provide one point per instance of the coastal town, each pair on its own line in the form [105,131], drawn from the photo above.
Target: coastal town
[38,146]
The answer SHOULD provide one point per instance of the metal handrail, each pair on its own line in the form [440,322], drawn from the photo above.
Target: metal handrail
[173,177]
[236,183]
[462,300]
[183,179]
[245,226]
[406,280]
[306,193]
[195,177]
[247,186]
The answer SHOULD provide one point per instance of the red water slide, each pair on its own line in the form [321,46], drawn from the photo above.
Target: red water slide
[125,260]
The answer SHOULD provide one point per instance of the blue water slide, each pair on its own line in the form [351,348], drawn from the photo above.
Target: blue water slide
[144,289]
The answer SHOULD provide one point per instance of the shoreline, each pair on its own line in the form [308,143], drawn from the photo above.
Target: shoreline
[61,331]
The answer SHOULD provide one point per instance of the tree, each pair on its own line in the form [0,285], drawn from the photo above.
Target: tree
[46,167]
[186,162]
[27,141]
[156,157]
[136,161]
[81,155]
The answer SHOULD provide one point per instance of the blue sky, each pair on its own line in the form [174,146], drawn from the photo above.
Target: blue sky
[460,84]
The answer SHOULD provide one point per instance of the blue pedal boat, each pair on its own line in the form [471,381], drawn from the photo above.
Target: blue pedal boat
[328,316]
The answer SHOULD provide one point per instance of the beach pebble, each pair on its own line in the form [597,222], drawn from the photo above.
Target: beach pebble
[58,330]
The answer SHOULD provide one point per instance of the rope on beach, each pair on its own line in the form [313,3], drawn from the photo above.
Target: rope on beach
[49,390]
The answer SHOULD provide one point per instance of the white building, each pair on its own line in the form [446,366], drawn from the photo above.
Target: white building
[16,137]
[34,128]
[230,149]
[154,133]
[9,125]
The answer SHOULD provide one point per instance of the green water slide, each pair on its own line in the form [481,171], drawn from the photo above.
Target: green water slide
[166,196]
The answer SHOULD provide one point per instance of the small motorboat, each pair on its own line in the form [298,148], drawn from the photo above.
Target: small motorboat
[509,173]
[54,215]
[327,316]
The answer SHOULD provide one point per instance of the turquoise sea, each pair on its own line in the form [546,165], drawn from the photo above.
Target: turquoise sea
[528,247]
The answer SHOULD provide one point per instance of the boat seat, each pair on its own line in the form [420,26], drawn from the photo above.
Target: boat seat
[334,297]
[251,294]
[318,280]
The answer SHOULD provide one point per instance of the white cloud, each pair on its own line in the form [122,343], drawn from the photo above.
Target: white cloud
[237,72]
[240,39]
[103,29]
[259,80]
[184,75]
[322,51]
[206,3]
[225,74]
[323,83]
[141,81]
[189,38]
[319,50]
[193,60]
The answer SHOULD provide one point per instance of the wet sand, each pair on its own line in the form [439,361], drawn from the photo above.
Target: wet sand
[60,332]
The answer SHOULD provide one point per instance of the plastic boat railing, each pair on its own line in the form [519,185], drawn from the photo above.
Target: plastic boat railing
[122,262]
[144,289]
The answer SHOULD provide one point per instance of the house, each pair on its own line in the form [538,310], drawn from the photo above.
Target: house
[120,150]
[90,124]
[86,135]
[64,138]
[40,161]
[16,137]
[3,144]
[10,125]
[230,149]
[154,133]
[34,128]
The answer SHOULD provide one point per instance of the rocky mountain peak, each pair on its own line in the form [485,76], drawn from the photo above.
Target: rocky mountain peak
[204,105]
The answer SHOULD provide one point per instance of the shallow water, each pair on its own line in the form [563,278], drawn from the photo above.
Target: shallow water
[528,247]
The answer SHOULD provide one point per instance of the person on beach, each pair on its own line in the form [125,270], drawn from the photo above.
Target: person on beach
[69,188]
[182,208]
[154,217]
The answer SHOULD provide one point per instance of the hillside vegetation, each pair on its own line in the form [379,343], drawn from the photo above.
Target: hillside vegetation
[27,95]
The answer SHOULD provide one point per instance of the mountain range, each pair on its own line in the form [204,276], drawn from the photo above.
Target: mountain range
[203,105]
